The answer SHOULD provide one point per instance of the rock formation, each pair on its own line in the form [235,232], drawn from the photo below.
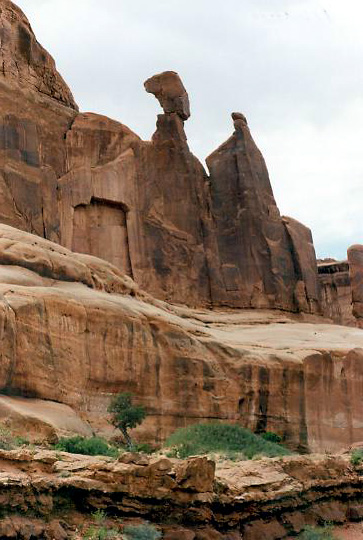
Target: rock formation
[355,259]
[36,110]
[186,500]
[75,330]
[91,184]
[168,88]
[336,291]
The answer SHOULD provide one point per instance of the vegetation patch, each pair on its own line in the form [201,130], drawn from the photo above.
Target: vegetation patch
[90,446]
[142,532]
[356,457]
[317,533]
[100,531]
[8,441]
[227,440]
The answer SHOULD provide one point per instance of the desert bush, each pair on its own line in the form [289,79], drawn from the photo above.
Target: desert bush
[142,532]
[271,437]
[356,457]
[317,533]
[100,531]
[91,446]
[8,441]
[224,439]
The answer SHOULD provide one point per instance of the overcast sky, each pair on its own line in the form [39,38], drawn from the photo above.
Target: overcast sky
[293,67]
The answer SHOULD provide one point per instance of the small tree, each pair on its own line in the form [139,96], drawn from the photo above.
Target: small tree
[125,415]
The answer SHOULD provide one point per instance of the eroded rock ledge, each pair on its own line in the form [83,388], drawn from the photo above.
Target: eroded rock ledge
[192,499]
[75,330]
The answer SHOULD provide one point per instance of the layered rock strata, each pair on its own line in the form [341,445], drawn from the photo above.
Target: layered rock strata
[75,330]
[272,498]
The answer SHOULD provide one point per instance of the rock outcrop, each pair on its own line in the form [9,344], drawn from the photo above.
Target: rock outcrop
[75,330]
[36,110]
[336,291]
[192,500]
[265,262]
[355,259]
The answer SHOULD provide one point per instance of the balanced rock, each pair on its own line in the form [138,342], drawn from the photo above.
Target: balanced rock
[168,88]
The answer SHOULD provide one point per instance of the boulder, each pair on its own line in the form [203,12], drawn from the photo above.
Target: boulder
[169,90]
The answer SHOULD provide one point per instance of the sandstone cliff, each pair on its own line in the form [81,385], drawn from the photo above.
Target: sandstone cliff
[149,208]
[75,330]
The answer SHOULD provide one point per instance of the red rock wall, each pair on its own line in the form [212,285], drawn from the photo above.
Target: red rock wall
[336,292]
[91,184]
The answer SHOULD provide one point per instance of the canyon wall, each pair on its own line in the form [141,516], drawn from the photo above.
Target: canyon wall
[75,330]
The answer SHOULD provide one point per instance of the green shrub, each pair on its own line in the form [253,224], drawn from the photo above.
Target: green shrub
[142,532]
[271,437]
[92,446]
[100,531]
[145,448]
[7,441]
[317,533]
[225,439]
[356,457]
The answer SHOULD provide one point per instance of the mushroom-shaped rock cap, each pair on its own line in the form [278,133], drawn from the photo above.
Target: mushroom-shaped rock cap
[168,88]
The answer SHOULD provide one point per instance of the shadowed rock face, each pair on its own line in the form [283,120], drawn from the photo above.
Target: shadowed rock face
[265,261]
[36,110]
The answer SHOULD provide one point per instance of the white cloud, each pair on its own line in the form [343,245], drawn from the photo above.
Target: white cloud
[292,66]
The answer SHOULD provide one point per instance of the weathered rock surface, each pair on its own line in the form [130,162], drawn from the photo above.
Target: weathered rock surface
[169,90]
[36,110]
[64,338]
[271,498]
[355,259]
[336,291]
[260,257]
[39,420]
